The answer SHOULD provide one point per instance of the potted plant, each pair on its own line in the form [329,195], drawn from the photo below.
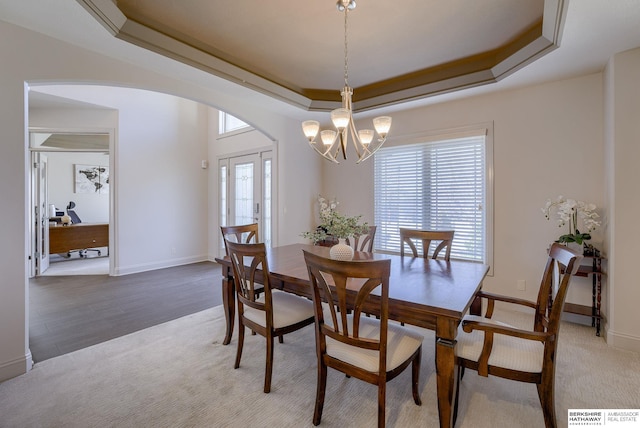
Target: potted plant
[569,211]
[335,226]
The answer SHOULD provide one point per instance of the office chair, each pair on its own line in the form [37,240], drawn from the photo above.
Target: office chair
[76,220]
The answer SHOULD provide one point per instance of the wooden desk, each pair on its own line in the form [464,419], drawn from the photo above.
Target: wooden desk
[63,239]
[428,293]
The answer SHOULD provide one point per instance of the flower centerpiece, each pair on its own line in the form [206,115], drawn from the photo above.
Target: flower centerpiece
[334,225]
[569,211]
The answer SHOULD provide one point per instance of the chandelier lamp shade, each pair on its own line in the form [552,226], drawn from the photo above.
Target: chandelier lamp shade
[332,142]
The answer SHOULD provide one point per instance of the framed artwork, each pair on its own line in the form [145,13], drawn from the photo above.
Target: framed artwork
[91,179]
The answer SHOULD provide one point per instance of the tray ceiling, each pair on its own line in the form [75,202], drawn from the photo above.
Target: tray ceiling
[293,51]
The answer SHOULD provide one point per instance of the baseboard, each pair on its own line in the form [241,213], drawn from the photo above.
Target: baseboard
[17,367]
[126,270]
[623,341]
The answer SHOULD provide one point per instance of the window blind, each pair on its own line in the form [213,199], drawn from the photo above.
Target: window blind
[435,185]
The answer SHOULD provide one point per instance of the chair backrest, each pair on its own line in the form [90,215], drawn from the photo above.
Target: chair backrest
[71,213]
[562,263]
[346,287]
[250,275]
[245,233]
[426,236]
[364,242]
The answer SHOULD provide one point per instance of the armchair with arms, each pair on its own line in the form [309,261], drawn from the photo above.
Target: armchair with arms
[498,349]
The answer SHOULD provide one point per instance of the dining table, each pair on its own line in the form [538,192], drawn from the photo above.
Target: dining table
[433,294]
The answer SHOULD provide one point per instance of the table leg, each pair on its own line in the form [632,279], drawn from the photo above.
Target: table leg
[229,303]
[446,371]
[476,306]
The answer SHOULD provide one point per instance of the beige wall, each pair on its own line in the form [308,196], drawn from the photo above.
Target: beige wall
[548,141]
[623,197]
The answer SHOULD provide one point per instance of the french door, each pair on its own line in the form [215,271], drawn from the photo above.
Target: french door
[40,217]
[246,192]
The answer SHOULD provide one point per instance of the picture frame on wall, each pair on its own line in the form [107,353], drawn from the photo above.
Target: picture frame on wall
[91,179]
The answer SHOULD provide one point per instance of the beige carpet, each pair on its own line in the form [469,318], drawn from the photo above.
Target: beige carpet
[179,375]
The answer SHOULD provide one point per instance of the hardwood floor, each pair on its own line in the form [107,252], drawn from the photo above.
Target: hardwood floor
[68,313]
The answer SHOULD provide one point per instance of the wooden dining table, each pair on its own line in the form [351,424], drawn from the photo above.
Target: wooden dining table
[433,294]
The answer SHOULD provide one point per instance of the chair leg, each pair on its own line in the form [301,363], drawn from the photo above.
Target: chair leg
[269,365]
[459,374]
[320,389]
[240,344]
[382,395]
[547,401]
[415,377]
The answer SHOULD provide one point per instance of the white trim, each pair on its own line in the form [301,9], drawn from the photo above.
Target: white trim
[144,267]
[623,341]
[17,367]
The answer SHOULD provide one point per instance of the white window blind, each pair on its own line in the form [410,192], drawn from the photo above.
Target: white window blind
[436,185]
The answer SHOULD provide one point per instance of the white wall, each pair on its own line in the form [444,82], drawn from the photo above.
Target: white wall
[161,189]
[90,207]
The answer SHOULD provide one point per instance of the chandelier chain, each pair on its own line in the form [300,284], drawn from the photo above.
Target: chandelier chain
[346,50]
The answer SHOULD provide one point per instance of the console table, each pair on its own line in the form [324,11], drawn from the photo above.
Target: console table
[63,239]
[595,271]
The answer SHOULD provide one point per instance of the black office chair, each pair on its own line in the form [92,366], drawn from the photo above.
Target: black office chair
[76,220]
[71,213]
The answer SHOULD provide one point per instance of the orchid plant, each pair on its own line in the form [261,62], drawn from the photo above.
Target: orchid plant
[569,211]
[333,224]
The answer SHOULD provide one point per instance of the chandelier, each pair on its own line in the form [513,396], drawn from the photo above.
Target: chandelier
[335,141]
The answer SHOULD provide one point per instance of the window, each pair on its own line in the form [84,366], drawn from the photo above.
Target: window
[228,123]
[439,182]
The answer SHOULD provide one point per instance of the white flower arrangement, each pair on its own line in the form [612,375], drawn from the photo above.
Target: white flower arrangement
[327,208]
[569,211]
[333,224]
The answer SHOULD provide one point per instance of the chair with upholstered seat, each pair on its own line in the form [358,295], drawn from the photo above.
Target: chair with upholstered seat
[368,349]
[273,314]
[243,233]
[426,236]
[498,349]
[364,242]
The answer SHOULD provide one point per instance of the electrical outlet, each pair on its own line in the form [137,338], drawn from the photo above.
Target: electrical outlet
[522,285]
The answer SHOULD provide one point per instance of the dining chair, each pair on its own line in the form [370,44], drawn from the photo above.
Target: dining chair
[364,242]
[494,348]
[245,233]
[368,349]
[426,236]
[274,313]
